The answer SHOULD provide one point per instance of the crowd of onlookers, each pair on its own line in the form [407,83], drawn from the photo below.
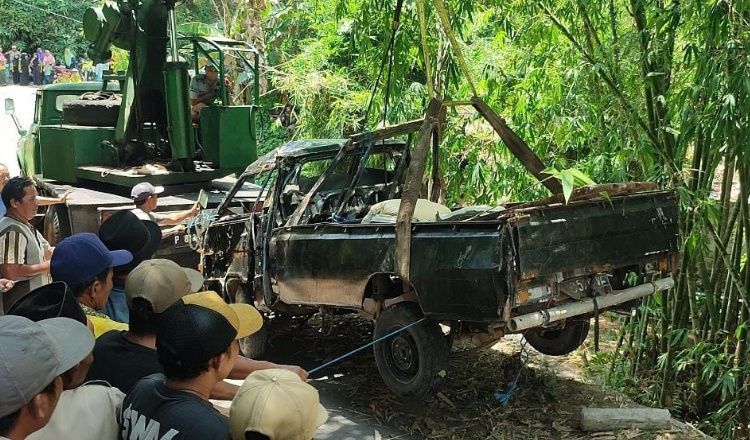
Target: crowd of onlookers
[41,67]
[100,341]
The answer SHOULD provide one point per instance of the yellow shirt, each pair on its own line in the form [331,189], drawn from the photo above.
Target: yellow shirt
[101,322]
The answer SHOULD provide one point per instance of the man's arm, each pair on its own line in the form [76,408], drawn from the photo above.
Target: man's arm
[224,391]
[206,98]
[13,257]
[20,271]
[244,366]
[177,217]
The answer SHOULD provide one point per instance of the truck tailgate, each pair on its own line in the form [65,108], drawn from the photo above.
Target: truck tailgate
[596,235]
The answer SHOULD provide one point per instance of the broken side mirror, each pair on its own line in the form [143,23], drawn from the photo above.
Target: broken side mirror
[10,108]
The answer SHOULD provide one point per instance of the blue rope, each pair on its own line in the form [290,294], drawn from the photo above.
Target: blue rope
[357,350]
[505,397]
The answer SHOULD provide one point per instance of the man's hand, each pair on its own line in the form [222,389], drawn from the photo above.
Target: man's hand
[299,371]
[195,209]
[5,285]
[64,197]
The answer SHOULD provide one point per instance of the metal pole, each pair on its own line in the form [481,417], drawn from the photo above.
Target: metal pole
[586,305]
[172,33]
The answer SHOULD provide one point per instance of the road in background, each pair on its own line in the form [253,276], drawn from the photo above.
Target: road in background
[23,97]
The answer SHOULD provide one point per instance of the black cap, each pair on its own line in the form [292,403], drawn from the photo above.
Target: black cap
[52,300]
[124,230]
[183,330]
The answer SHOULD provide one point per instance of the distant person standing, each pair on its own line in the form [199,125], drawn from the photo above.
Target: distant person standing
[14,58]
[24,65]
[3,68]
[70,59]
[49,66]
[37,74]
[37,67]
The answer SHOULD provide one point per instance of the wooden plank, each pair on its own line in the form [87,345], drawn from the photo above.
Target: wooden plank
[607,419]
[388,132]
[518,147]
[412,188]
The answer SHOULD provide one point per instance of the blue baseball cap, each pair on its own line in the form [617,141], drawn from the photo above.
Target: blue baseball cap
[83,256]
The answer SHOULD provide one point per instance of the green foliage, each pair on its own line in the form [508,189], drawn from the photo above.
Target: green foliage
[43,24]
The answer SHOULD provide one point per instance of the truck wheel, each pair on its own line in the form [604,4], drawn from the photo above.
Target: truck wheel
[412,363]
[558,342]
[103,113]
[56,224]
[252,346]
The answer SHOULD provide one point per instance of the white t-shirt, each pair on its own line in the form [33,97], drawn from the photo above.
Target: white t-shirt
[89,412]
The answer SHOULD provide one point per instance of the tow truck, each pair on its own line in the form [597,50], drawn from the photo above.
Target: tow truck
[102,138]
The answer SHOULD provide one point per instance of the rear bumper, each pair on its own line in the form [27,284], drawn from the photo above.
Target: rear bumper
[587,305]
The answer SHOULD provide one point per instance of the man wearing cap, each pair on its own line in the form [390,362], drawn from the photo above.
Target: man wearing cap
[146,196]
[204,90]
[32,358]
[123,230]
[122,358]
[24,253]
[85,265]
[78,399]
[196,342]
[276,405]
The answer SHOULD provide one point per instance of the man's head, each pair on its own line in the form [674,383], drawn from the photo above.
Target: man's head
[197,336]
[145,196]
[32,358]
[19,196]
[212,73]
[14,48]
[123,230]
[152,287]
[85,265]
[55,300]
[4,175]
[275,404]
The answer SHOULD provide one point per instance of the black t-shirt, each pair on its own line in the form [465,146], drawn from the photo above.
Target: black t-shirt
[121,362]
[153,410]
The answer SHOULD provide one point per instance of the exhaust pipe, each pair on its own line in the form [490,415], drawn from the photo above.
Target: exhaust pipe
[544,317]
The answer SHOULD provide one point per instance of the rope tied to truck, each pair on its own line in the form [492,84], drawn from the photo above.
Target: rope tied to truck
[504,398]
[369,344]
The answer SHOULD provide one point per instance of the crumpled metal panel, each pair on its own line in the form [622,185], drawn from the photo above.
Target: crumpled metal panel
[597,235]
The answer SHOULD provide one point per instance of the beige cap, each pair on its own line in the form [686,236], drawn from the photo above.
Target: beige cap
[161,283]
[277,404]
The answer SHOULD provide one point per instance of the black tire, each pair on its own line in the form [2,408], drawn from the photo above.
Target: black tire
[56,224]
[413,362]
[253,346]
[101,113]
[558,342]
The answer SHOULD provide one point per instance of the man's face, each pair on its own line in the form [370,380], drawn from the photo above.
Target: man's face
[227,362]
[4,176]
[152,201]
[100,290]
[44,405]
[211,75]
[13,48]
[27,207]
[74,377]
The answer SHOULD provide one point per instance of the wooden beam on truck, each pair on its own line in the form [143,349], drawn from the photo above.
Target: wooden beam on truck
[608,419]
[412,188]
[517,146]
[387,132]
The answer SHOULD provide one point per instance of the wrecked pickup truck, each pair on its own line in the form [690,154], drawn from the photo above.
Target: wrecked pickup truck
[310,243]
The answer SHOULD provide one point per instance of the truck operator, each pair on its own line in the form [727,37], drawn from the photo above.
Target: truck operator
[204,89]
[146,196]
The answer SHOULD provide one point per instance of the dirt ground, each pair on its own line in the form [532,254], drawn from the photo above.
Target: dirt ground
[545,405]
